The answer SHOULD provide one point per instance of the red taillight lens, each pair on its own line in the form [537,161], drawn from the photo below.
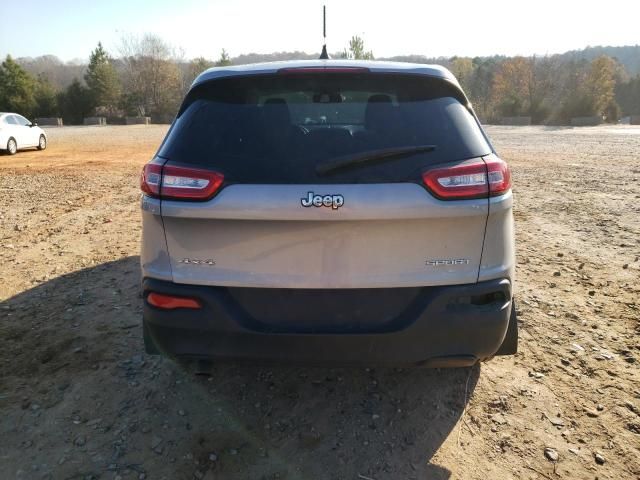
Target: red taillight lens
[179,183]
[499,175]
[170,302]
[462,181]
[479,178]
[189,183]
[150,179]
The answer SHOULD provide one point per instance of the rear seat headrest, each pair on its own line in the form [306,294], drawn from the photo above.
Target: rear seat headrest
[276,113]
[379,112]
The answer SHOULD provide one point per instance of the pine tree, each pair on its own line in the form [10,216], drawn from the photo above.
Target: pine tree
[356,50]
[45,96]
[75,102]
[224,59]
[102,80]
[17,89]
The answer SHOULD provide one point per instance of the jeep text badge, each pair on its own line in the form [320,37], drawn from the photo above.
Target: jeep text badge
[313,200]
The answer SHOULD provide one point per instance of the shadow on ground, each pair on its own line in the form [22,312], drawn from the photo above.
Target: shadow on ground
[73,352]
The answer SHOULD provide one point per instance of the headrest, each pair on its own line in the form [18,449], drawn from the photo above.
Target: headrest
[379,112]
[275,112]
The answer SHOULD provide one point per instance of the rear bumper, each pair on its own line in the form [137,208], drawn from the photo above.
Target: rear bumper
[444,326]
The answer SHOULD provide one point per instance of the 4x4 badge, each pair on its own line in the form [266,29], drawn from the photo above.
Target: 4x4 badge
[196,261]
[313,200]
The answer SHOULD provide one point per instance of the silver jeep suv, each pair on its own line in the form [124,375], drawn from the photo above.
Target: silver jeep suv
[329,212]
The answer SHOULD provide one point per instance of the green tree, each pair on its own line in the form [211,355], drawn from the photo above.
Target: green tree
[480,88]
[541,87]
[75,103]
[195,68]
[224,59]
[511,86]
[600,87]
[628,96]
[17,89]
[574,101]
[46,100]
[357,50]
[590,90]
[102,80]
[521,87]
[462,68]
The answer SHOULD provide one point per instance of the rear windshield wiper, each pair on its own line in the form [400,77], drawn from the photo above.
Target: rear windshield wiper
[371,156]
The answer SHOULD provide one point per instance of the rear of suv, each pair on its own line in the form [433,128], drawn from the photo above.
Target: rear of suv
[329,212]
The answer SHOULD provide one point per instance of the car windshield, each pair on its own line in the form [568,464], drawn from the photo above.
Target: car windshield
[279,128]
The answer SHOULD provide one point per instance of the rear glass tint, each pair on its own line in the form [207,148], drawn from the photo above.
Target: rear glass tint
[277,128]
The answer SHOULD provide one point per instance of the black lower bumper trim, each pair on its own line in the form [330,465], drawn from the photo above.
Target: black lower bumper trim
[443,326]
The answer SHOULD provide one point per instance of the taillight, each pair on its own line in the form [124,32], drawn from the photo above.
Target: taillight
[170,302]
[150,179]
[499,175]
[479,178]
[179,183]
[462,181]
[189,183]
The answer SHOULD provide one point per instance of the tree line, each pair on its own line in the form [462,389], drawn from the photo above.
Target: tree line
[149,78]
[546,90]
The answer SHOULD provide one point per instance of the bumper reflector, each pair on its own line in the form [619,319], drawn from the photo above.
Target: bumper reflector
[169,302]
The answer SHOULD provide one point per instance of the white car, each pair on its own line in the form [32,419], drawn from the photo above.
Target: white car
[16,132]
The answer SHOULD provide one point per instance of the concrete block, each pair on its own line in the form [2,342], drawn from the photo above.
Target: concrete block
[586,121]
[49,121]
[137,120]
[94,121]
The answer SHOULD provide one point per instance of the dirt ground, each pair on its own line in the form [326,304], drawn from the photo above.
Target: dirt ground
[80,400]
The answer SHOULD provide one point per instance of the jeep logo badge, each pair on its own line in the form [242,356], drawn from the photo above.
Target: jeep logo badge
[313,200]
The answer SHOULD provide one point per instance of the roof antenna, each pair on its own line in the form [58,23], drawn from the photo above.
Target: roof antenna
[324,55]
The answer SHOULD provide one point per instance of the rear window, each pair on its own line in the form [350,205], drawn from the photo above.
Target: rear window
[278,128]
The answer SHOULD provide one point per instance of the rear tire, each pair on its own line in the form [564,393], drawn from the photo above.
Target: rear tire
[12,146]
[510,343]
[42,142]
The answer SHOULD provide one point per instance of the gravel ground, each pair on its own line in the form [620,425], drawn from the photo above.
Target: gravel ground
[79,398]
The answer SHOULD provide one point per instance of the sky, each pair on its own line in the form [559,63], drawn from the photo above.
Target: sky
[70,29]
